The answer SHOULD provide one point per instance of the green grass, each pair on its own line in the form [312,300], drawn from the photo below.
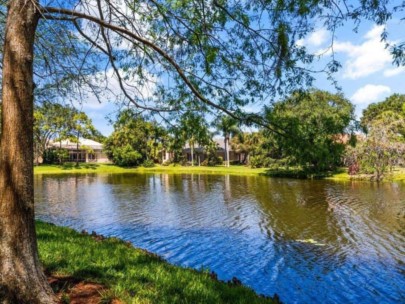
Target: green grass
[132,275]
[291,172]
[82,168]
[106,168]
[237,170]
[397,175]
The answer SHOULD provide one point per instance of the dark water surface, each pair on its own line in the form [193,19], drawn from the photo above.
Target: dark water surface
[308,241]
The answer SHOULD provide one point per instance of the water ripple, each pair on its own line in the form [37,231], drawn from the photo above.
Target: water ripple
[308,241]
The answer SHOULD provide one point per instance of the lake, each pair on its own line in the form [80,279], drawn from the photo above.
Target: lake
[308,241]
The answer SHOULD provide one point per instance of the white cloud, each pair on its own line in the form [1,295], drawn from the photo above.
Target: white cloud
[315,39]
[300,42]
[369,93]
[318,37]
[366,58]
[394,71]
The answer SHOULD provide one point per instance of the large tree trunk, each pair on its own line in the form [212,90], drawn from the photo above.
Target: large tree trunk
[21,276]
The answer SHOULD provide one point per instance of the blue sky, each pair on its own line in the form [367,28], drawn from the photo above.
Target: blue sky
[367,74]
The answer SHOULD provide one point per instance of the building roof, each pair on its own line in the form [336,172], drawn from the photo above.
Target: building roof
[70,145]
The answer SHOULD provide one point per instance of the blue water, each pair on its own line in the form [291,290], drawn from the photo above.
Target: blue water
[307,241]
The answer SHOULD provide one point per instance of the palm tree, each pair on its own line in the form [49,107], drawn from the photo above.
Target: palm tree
[195,131]
[228,126]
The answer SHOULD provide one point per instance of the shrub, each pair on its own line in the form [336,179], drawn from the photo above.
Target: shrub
[260,161]
[126,156]
[55,155]
[148,163]
[212,160]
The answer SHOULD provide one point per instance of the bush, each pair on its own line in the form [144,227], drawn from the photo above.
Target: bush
[260,161]
[126,156]
[148,163]
[212,160]
[263,161]
[55,155]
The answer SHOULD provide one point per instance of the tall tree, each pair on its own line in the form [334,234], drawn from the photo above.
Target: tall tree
[224,54]
[195,130]
[158,138]
[80,125]
[394,103]
[316,122]
[22,279]
[228,127]
[128,144]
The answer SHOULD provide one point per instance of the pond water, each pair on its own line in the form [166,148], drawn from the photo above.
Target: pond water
[307,241]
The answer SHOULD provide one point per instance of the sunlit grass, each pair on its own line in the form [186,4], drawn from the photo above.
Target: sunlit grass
[81,168]
[396,175]
[291,172]
[131,274]
[107,168]
[237,170]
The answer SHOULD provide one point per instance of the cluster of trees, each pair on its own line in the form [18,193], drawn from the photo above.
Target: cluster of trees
[309,129]
[383,145]
[137,141]
[222,55]
[315,131]
[319,133]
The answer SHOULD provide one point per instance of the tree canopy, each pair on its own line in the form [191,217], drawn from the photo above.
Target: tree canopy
[316,122]
[128,145]
[394,103]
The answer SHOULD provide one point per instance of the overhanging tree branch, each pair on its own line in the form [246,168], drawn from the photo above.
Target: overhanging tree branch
[249,117]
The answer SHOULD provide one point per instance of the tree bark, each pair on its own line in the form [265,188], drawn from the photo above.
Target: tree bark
[21,276]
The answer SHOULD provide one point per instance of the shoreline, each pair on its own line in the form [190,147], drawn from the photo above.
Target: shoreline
[88,168]
[127,274]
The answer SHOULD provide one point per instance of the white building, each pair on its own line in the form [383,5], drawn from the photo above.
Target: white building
[85,151]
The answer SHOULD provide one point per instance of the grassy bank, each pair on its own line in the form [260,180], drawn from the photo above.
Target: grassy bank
[106,168]
[397,175]
[292,172]
[82,168]
[129,274]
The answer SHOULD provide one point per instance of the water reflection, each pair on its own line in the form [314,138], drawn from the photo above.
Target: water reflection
[306,240]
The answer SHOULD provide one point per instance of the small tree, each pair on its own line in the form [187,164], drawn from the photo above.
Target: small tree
[129,145]
[383,147]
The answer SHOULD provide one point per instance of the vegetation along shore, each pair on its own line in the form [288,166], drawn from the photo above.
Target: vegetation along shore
[89,267]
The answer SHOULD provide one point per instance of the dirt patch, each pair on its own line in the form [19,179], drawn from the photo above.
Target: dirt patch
[74,291]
